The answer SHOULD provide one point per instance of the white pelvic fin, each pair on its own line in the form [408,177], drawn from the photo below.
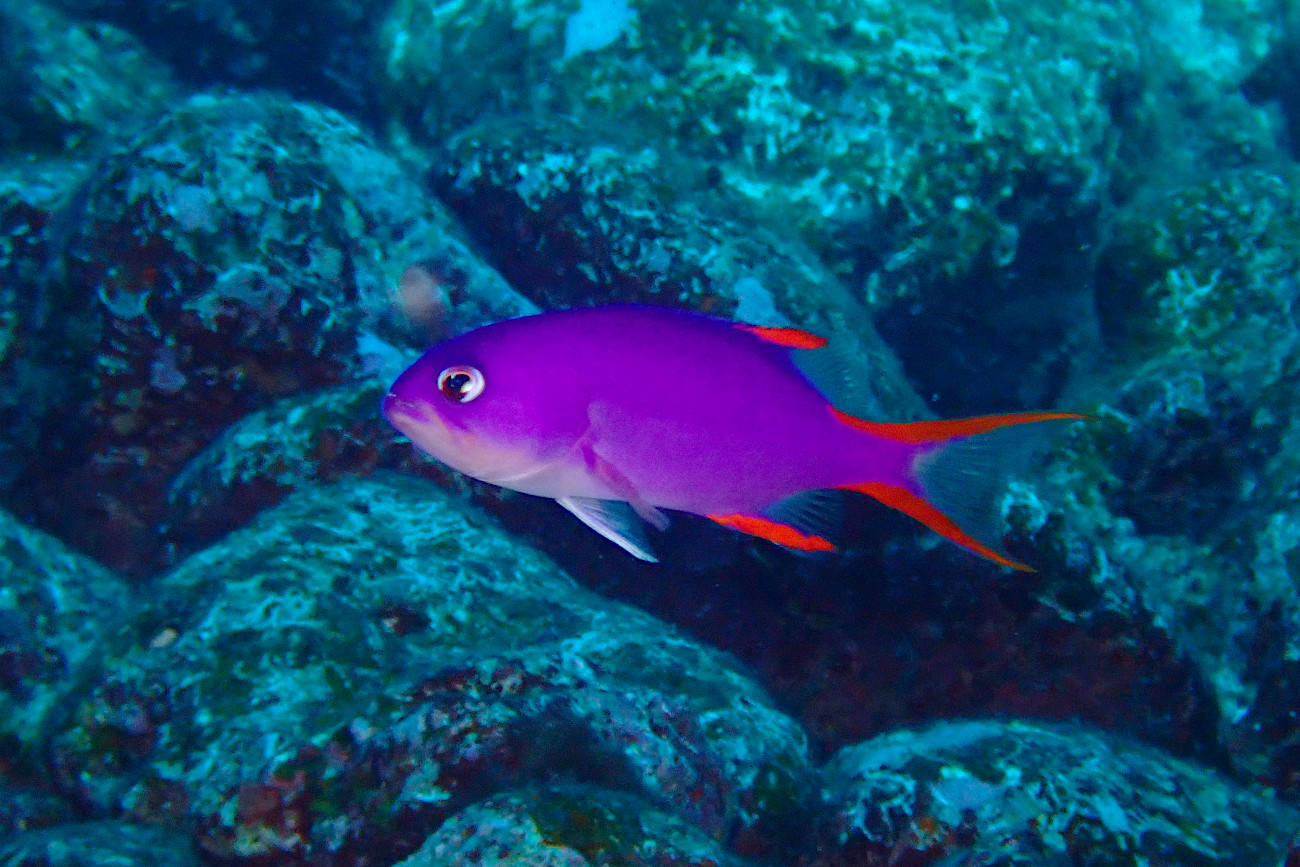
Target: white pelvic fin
[616,520]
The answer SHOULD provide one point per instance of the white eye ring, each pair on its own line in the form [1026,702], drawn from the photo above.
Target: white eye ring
[460,383]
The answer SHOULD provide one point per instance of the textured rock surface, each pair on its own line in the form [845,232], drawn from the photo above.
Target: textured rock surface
[833,111]
[110,844]
[568,827]
[1185,486]
[243,250]
[70,82]
[1026,794]
[54,609]
[298,440]
[366,660]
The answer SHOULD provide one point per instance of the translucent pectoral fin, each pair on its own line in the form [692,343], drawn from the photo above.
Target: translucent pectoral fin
[622,488]
[617,521]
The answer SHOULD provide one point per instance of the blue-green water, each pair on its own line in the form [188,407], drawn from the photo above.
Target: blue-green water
[242,620]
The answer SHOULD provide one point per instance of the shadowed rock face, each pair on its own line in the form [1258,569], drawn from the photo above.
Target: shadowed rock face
[1198,466]
[102,842]
[318,51]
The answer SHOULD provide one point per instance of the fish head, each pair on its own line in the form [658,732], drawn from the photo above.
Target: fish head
[492,415]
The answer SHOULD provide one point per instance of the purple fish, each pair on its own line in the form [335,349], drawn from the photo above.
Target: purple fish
[619,413]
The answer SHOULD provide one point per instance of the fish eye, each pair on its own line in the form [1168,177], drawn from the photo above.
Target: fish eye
[460,383]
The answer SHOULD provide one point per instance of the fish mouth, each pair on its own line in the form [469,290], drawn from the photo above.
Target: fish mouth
[399,411]
[420,423]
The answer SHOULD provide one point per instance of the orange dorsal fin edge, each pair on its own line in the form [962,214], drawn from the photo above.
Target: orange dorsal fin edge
[774,531]
[794,338]
[945,429]
[910,504]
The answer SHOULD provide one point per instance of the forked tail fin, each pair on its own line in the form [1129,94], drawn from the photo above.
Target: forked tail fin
[960,469]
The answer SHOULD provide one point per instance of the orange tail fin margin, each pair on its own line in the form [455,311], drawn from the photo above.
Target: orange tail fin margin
[945,429]
[910,504]
[956,482]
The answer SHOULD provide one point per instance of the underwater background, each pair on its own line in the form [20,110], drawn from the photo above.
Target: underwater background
[242,621]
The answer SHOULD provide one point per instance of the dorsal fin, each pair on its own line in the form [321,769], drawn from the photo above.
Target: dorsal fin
[794,338]
[837,368]
[839,371]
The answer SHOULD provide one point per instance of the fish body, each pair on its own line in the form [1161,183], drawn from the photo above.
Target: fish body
[621,412]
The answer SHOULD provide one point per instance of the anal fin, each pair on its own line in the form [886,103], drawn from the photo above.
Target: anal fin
[814,513]
[773,530]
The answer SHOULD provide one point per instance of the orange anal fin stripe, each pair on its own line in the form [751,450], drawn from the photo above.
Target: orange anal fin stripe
[792,337]
[774,531]
[910,504]
[946,429]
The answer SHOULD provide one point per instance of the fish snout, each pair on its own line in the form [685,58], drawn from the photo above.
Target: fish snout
[390,403]
[395,408]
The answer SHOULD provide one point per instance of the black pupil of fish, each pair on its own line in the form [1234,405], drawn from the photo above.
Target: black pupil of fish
[456,385]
